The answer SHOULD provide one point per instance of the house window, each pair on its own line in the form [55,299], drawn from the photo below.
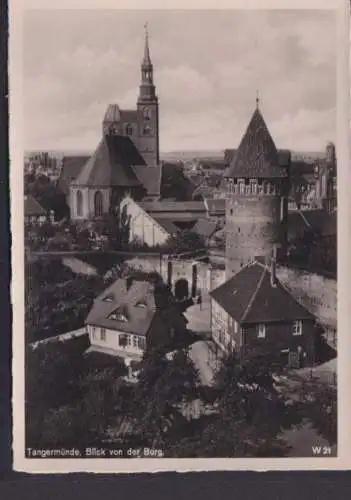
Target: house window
[231,211]
[261,331]
[103,334]
[297,327]
[98,204]
[93,332]
[79,203]
[235,326]
[241,187]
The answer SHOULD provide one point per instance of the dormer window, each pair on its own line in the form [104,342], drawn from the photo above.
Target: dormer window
[108,298]
[119,315]
[141,303]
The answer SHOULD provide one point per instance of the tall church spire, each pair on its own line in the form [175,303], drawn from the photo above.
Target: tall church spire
[147,88]
[147,59]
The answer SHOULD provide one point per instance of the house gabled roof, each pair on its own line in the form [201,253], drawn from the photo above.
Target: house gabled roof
[205,227]
[249,297]
[111,164]
[32,207]
[125,296]
[257,155]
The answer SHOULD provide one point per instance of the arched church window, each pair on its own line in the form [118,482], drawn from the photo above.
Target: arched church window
[129,129]
[98,204]
[79,201]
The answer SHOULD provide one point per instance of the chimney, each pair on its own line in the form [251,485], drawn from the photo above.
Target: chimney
[273,266]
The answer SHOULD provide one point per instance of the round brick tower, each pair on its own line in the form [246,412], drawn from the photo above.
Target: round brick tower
[257,187]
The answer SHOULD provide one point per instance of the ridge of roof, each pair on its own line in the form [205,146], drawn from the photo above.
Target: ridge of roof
[257,155]
[111,164]
[259,284]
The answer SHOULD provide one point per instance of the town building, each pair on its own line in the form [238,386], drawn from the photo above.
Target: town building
[126,161]
[34,213]
[257,188]
[152,223]
[133,314]
[253,314]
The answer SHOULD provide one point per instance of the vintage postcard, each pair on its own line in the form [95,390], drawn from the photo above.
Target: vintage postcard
[179,189]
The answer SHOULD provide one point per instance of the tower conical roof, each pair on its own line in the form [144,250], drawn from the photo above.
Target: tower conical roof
[257,155]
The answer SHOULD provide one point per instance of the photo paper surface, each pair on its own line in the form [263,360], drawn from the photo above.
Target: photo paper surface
[180,236]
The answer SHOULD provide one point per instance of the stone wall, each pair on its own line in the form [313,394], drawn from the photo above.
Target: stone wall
[317,293]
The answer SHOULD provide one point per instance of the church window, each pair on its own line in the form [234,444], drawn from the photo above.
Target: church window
[129,129]
[146,114]
[79,203]
[98,204]
[147,130]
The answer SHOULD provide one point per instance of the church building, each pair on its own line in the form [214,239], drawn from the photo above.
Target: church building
[126,160]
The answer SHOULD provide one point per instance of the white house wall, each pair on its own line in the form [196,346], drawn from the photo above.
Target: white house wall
[142,226]
[112,341]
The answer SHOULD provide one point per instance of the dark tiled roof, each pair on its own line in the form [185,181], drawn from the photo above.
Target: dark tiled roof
[257,155]
[124,295]
[71,166]
[129,115]
[167,224]
[205,227]
[32,207]
[318,222]
[249,297]
[173,206]
[111,164]
[150,178]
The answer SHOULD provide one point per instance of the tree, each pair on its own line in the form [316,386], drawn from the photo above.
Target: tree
[320,408]
[69,400]
[47,194]
[163,386]
[246,416]
[184,241]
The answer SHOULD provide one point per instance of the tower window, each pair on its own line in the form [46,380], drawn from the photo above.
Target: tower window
[231,211]
[146,130]
[129,129]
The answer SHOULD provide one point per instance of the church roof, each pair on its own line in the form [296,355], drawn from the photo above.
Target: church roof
[71,166]
[249,297]
[111,164]
[129,115]
[150,178]
[257,155]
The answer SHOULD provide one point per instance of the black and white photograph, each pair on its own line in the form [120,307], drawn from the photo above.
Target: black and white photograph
[180,204]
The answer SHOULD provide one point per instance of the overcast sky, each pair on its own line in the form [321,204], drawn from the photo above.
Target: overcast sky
[207,67]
